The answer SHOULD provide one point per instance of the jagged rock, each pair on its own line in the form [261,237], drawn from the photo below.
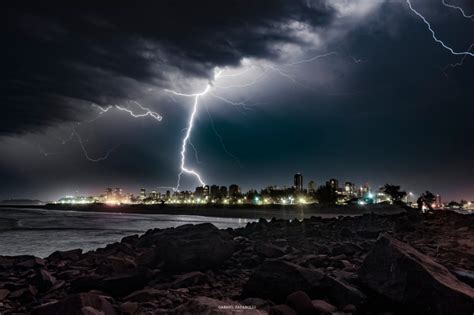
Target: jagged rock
[73,255]
[268,250]
[128,307]
[121,285]
[370,234]
[277,279]
[189,279]
[130,240]
[78,304]
[301,303]
[3,294]
[322,307]
[341,292]
[403,274]
[43,280]
[120,265]
[193,247]
[144,295]
[30,262]
[346,248]
[281,309]
[465,276]
[69,274]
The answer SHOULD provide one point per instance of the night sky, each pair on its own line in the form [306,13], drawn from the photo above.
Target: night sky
[384,102]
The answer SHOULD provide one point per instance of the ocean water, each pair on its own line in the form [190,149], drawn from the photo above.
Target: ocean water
[41,232]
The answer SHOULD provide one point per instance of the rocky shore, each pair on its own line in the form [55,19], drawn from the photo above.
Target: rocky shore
[370,264]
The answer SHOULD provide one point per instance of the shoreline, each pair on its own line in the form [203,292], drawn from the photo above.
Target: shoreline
[287,212]
[328,265]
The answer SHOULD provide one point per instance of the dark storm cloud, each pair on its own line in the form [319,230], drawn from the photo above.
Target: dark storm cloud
[61,57]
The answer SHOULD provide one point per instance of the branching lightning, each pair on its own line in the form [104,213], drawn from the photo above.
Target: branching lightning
[435,37]
[282,70]
[147,111]
[471,17]
[86,153]
[185,141]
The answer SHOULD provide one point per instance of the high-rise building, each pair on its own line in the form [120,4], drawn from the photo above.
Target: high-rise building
[364,190]
[142,194]
[333,184]
[312,187]
[215,192]
[224,193]
[298,181]
[199,192]
[234,190]
[349,189]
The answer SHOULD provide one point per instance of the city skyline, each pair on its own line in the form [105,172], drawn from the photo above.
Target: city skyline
[191,93]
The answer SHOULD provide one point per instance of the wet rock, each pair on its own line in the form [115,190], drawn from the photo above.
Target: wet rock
[277,279]
[130,240]
[301,303]
[144,295]
[3,294]
[78,304]
[73,255]
[340,292]
[322,307]
[128,307]
[69,274]
[370,234]
[120,265]
[465,276]
[44,280]
[346,248]
[30,262]
[190,279]
[403,274]
[268,250]
[191,247]
[121,285]
[24,295]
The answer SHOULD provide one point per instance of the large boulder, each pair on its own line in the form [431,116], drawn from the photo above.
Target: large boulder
[403,274]
[78,304]
[268,250]
[190,247]
[276,279]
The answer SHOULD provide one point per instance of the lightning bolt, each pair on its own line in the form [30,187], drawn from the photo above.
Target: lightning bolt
[457,64]
[189,129]
[147,111]
[435,37]
[86,153]
[471,17]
